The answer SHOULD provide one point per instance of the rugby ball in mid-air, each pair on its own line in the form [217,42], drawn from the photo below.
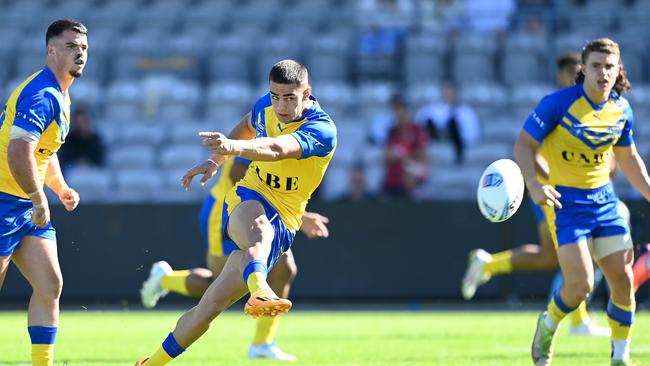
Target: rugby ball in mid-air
[500,190]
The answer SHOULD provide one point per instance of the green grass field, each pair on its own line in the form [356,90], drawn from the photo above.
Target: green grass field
[346,338]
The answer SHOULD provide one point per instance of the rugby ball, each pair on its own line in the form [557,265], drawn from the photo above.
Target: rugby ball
[500,190]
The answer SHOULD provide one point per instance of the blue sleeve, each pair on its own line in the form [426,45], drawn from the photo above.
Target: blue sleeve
[34,112]
[242,160]
[317,138]
[626,138]
[254,116]
[544,118]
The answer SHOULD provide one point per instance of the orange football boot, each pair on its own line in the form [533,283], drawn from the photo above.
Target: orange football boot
[266,302]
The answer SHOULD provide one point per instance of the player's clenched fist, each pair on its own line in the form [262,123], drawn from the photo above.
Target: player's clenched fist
[69,197]
[218,143]
[40,215]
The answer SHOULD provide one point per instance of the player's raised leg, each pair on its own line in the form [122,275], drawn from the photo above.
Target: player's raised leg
[38,261]
[255,242]
[280,279]
[577,269]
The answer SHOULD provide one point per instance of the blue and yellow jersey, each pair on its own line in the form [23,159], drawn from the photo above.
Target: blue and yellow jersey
[288,184]
[39,107]
[224,182]
[578,135]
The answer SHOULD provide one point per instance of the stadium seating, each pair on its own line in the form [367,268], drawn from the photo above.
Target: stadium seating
[155,78]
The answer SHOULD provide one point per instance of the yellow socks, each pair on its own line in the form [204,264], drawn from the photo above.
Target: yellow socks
[579,315]
[42,354]
[169,350]
[266,328]
[621,318]
[42,338]
[255,276]
[500,263]
[176,282]
[556,311]
[160,358]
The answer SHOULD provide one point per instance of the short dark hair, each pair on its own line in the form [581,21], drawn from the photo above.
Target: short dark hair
[59,26]
[569,59]
[289,72]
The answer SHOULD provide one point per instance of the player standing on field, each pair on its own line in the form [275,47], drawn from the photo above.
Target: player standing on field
[35,123]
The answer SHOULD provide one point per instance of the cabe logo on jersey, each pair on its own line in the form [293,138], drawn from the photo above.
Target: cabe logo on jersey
[277,182]
[492,180]
[584,158]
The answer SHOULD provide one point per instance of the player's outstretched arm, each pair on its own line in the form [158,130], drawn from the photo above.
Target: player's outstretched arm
[54,179]
[260,149]
[525,150]
[314,225]
[207,169]
[634,168]
[22,163]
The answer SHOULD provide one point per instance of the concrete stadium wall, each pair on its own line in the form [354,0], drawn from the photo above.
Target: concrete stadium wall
[378,250]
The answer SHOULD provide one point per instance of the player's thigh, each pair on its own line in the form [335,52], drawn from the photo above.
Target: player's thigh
[4,266]
[216,264]
[37,259]
[248,224]
[226,289]
[576,264]
[615,256]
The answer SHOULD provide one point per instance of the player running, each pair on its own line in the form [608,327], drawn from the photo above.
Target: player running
[577,129]
[534,257]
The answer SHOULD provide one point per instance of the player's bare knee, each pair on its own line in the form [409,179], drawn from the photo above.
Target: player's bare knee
[579,288]
[51,289]
[621,282]
[263,227]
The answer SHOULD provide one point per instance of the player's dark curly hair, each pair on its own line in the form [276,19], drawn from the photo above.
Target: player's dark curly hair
[606,45]
[59,26]
[289,72]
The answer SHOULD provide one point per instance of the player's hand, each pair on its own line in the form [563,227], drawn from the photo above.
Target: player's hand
[218,143]
[207,169]
[69,197]
[41,214]
[314,225]
[545,195]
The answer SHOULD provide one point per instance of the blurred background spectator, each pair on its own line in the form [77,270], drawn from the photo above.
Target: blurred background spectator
[357,190]
[83,145]
[405,153]
[450,119]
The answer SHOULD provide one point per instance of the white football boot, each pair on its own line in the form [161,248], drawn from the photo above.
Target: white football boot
[151,290]
[474,276]
[590,329]
[269,351]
